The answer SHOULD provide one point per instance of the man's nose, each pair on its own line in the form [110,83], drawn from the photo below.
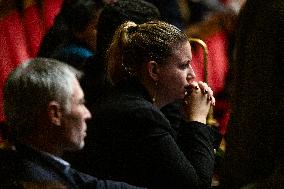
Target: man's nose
[88,114]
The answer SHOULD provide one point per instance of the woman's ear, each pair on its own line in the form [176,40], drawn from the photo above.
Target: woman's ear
[153,70]
[54,113]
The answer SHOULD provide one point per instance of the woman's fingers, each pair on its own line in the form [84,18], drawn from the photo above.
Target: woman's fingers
[206,90]
[198,99]
[191,87]
[203,88]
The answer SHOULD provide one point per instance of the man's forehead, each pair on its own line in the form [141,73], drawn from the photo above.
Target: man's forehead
[77,90]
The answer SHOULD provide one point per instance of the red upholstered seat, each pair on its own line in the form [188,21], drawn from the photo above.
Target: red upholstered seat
[21,32]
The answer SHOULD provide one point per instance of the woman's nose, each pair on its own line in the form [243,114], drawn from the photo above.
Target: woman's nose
[191,75]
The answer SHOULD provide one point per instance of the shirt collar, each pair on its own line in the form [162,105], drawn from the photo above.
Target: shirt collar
[57,159]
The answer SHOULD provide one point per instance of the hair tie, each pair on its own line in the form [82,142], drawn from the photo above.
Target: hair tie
[129,25]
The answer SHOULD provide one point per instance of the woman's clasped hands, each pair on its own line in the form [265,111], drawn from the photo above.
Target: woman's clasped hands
[197,101]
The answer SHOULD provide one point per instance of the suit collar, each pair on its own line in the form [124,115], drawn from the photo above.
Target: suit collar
[44,158]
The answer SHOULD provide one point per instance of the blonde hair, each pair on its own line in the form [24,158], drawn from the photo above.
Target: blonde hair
[134,44]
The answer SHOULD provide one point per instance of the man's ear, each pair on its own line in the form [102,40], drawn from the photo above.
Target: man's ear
[54,113]
[153,70]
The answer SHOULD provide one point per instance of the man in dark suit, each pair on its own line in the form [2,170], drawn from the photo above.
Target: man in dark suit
[46,115]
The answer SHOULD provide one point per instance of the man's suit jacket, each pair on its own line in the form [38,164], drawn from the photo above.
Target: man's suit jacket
[28,168]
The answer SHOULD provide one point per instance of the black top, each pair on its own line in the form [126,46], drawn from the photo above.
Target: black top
[131,140]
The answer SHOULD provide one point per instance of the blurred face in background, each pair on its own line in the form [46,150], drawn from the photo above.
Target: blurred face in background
[235,5]
[89,35]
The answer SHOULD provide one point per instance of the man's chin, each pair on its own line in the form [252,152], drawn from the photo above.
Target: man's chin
[81,146]
[76,147]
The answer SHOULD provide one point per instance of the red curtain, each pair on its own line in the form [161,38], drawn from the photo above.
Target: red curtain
[217,67]
[217,45]
[22,28]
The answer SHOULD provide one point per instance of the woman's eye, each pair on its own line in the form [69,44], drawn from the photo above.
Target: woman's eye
[184,66]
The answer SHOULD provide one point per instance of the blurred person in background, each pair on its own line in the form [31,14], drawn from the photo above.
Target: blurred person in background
[254,156]
[72,38]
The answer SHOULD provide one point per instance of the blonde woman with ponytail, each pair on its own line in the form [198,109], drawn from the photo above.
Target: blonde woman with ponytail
[149,66]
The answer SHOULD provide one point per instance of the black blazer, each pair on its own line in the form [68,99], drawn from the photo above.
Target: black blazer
[27,168]
[131,140]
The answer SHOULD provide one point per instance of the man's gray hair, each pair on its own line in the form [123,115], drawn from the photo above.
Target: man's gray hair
[30,88]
